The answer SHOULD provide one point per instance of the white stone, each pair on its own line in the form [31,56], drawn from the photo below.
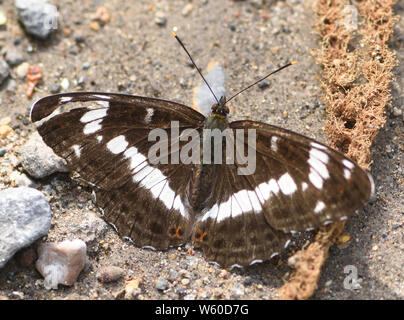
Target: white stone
[61,263]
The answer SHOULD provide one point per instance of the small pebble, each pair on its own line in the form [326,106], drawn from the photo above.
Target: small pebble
[95,26]
[161,284]
[187,9]
[5,120]
[80,81]
[224,274]
[263,84]
[5,130]
[109,274]
[181,291]
[79,38]
[172,275]
[11,84]
[14,57]
[55,88]
[19,179]
[132,290]
[248,281]
[17,295]
[22,70]
[3,18]
[160,19]
[397,112]
[102,15]
[4,70]
[237,291]
[286,30]
[65,84]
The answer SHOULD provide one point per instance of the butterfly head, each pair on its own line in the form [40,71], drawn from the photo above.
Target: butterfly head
[220,107]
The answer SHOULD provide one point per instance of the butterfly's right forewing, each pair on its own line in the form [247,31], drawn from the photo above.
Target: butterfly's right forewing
[107,143]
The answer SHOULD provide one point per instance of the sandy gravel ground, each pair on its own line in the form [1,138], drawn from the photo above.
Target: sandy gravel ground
[132,54]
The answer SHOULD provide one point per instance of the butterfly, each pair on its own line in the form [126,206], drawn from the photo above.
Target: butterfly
[236,219]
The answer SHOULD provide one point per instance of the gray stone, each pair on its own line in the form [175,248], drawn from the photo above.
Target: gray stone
[39,17]
[24,217]
[14,57]
[172,275]
[162,284]
[55,88]
[11,84]
[38,160]
[4,71]
[160,18]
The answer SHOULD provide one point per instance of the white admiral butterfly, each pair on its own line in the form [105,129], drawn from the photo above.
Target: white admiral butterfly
[298,183]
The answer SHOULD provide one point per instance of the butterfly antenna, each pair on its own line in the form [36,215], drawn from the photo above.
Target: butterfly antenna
[192,60]
[251,85]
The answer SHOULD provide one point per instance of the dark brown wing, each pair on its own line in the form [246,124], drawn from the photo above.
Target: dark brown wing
[107,143]
[298,184]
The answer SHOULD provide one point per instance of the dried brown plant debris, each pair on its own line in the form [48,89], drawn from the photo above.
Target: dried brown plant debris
[356,77]
[34,74]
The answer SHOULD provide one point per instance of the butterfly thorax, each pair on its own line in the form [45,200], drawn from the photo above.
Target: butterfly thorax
[217,119]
